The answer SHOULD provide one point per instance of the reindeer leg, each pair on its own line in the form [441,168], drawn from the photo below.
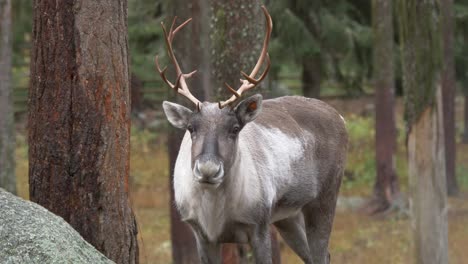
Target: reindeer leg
[208,252]
[318,222]
[261,243]
[293,232]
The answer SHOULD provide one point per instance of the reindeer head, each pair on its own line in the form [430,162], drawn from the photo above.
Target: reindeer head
[214,127]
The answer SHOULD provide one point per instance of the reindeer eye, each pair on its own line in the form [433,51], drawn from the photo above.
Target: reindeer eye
[235,129]
[190,128]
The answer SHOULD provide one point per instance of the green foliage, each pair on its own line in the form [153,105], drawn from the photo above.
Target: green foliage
[361,165]
[421,41]
[339,31]
[145,35]
[142,139]
[22,27]
[462,176]
[361,161]
[461,42]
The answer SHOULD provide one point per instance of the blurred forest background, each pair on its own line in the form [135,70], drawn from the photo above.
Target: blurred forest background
[323,49]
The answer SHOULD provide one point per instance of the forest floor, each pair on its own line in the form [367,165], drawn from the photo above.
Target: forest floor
[356,238]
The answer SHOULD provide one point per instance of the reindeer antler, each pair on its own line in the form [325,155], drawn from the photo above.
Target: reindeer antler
[180,84]
[250,81]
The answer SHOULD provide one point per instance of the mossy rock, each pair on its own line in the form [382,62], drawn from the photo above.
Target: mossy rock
[31,234]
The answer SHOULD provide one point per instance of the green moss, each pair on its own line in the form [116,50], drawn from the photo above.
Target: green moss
[421,54]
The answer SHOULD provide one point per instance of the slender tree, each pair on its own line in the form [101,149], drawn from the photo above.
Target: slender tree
[237,32]
[448,93]
[218,44]
[79,121]
[386,188]
[312,72]
[420,34]
[189,47]
[7,136]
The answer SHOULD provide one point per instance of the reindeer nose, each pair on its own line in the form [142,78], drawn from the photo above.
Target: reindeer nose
[208,170]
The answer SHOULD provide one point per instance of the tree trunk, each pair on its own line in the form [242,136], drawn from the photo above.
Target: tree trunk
[7,124]
[465,118]
[136,94]
[311,76]
[237,36]
[448,94]
[237,32]
[79,121]
[184,248]
[386,187]
[190,49]
[421,40]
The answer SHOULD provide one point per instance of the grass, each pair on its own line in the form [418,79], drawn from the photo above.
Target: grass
[355,238]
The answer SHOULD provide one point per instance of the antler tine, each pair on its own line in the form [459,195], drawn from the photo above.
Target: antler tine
[180,85]
[264,53]
[264,74]
[250,81]
[163,73]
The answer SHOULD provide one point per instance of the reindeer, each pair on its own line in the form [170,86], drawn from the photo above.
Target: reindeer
[245,165]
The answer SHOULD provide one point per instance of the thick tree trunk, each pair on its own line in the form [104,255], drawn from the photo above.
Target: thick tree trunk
[311,76]
[427,187]
[79,121]
[386,188]
[422,50]
[465,120]
[7,125]
[448,94]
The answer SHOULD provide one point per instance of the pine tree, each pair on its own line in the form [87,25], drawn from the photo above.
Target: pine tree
[79,121]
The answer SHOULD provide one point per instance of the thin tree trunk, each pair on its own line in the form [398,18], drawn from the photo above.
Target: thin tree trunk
[184,248]
[421,40]
[79,121]
[386,187]
[448,94]
[237,34]
[7,124]
[311,76]
[136,94]
[190,48]
[465,120]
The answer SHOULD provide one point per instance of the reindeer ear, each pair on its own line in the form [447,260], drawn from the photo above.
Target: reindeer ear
[248,109]
[177,115]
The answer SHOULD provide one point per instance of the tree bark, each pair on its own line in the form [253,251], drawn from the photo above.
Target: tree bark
[237,32]
[421,39]
[237,36]
[7,124]
[386,187]
[79,121]
[311,76]
[448,94]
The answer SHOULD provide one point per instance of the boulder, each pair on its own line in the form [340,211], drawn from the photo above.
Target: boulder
[29,233]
